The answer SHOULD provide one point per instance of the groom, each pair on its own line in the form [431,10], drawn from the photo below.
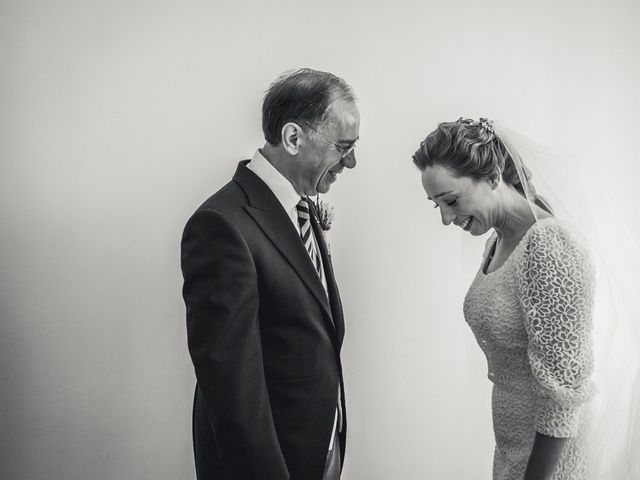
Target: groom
[264,319]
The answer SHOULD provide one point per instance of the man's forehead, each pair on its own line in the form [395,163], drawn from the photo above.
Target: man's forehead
[343,107]
[344,115]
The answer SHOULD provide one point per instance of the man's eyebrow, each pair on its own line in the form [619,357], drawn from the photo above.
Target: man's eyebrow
[440,195]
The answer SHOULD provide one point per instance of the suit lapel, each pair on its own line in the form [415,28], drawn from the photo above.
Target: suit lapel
[267,212]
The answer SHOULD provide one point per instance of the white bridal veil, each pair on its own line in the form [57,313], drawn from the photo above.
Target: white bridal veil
[565,184]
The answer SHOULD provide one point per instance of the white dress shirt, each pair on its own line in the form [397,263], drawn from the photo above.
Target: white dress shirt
[288,198]
[286,195]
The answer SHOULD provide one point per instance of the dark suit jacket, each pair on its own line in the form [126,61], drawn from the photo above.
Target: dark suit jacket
[263,336]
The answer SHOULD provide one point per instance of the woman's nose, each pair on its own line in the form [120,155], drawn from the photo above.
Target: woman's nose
[447,217]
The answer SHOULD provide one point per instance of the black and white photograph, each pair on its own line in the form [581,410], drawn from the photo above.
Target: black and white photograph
[340,240]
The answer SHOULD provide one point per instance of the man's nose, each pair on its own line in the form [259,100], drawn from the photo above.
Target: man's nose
[349,161]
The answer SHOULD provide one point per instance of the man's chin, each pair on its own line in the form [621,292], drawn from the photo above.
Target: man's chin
[323,187]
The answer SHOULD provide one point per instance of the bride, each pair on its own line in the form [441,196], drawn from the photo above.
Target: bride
[530,306]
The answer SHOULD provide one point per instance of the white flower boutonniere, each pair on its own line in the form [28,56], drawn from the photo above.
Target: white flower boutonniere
[325,218]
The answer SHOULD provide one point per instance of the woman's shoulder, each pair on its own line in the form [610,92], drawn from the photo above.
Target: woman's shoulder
[556,237]
[550,228]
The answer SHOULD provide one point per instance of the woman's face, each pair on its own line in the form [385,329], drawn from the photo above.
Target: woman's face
[464,201]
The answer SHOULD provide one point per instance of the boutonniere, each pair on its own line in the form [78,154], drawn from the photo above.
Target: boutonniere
[325,214]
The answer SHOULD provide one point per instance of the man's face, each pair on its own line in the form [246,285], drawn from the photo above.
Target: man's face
[322,157]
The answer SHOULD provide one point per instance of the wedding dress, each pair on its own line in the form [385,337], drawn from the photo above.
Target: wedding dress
[532,317]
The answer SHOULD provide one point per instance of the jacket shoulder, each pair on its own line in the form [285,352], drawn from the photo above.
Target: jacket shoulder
[228,203]
[228,198]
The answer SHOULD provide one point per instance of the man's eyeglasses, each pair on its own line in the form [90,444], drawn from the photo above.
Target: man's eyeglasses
[344,150]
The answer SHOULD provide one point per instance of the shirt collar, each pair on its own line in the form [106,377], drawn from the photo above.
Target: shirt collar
[277,183]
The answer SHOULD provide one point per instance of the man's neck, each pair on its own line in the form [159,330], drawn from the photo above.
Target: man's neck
[280,161]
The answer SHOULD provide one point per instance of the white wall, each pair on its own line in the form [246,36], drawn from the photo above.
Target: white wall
[118,118]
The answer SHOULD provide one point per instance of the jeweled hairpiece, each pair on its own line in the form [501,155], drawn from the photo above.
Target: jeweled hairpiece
[486,124]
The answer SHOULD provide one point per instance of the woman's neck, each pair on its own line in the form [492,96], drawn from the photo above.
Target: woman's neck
[517,216]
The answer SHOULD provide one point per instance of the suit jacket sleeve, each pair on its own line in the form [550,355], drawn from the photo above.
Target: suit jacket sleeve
[221,297]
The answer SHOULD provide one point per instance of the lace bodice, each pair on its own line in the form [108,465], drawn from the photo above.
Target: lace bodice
[532,317]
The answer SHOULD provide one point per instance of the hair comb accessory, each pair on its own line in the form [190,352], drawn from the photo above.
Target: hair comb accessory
[486,124]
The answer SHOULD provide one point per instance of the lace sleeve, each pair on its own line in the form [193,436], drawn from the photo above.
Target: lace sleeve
[556,289]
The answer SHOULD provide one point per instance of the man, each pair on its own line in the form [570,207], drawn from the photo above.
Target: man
[264,319]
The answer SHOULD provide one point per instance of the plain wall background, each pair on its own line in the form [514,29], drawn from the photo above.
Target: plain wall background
[117,119]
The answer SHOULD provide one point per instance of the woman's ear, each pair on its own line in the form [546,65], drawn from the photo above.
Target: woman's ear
[494,179]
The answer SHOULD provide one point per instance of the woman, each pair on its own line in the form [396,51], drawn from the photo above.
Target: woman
[529,306]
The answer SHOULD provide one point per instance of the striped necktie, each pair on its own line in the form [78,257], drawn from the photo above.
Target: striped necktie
[306,233]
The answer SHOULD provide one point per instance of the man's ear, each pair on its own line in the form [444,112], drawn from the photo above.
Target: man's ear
[291,138]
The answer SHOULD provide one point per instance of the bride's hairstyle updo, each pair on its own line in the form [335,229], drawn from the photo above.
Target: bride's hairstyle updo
[470,148]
